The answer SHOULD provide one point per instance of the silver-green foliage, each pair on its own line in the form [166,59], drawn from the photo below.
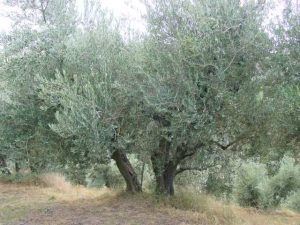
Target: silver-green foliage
[293,201]
[246,186]
[35,47]
[198,77]
[285,181]
[253,187]
[88,95]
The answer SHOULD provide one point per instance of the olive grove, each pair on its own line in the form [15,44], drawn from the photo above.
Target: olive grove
[208,82]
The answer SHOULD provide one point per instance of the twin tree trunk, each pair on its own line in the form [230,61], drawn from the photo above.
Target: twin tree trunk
[164,169]
[165,178]
[132,183]
[163,164]
[164,173]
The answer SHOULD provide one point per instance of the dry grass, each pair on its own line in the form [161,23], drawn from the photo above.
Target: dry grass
[55,180]
[255,217]
[57,186]
[195,207]
[20,199]
[59,202]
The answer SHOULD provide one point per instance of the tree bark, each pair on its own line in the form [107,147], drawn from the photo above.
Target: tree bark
[2,161]
[165,166]
[3,166]
[142,174]
[164,177]
[17,167]
[132,183]
[106,178]
[164,169]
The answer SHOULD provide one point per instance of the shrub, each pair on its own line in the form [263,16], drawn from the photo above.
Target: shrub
[76,173]
[293,201]
[265,194]
[254,188]
[105,175]
[246,186]
[196,179]
[219,185]
[286,181]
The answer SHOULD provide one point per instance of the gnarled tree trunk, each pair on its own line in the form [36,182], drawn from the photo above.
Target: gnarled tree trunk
[164,169]
[165,164]
[165,178]
[132,183]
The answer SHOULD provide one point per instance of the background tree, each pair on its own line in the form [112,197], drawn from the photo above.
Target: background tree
[35,46]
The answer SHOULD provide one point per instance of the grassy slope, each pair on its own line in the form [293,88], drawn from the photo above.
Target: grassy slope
[61,203]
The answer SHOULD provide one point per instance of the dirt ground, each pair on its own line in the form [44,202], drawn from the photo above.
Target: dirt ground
[94,212]
[29,205]
[32,205]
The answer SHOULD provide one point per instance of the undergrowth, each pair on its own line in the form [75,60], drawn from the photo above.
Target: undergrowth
[21,178]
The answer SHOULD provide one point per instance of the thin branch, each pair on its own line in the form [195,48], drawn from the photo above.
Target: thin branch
[43,9]
[182,169]
[230,63]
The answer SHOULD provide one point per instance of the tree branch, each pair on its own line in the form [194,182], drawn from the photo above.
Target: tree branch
[224,147]
[44,5]
[182,169]
[188,154]
[183,151]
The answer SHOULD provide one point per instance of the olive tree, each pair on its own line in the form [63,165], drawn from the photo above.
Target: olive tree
[35,46]
[199,64]
[94,112]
